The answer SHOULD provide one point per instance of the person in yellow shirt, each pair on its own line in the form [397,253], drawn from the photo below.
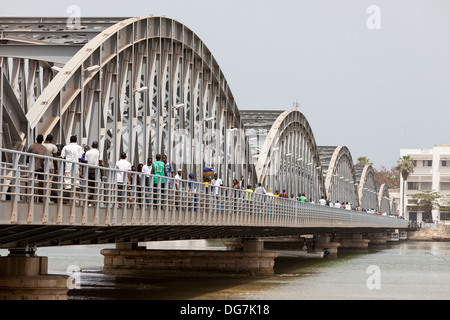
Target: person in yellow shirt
[249,193]
[277,195]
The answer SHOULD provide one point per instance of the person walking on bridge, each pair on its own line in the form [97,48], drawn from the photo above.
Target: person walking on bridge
[147,171]
[39,149]
[159,181]
[73,153]
[92,157]
[123,165]
[248,195]
[260,189]
[322,201]
[52,150]
[216,183]
[303,197]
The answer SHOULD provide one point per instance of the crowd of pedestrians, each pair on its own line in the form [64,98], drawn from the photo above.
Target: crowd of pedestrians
[154,177]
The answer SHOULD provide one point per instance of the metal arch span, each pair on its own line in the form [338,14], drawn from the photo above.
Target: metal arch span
[144,86]
[384,201]
[289,159]
[340,176]
[367,189]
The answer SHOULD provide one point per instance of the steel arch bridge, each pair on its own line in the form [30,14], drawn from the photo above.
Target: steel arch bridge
[149,85]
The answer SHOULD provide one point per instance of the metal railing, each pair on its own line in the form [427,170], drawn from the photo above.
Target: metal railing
[91,195]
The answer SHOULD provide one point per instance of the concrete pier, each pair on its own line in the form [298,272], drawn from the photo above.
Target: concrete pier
[250,260]
[377,238]
[352,241]
[322,243]
[24,277]
[327,243]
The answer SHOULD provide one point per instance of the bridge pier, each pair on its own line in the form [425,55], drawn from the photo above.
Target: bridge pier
[327,243]
[378,238]
[24,276]
[319,244]
[352,241]
[249,259]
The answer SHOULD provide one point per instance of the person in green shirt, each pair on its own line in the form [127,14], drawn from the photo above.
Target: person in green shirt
[303,198]
[158,172]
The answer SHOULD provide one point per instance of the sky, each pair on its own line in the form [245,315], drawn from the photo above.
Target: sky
[370,75]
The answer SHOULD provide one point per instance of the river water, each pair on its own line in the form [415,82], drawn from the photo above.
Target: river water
[402,271]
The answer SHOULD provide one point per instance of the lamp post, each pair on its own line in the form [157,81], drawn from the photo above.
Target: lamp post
[178,137]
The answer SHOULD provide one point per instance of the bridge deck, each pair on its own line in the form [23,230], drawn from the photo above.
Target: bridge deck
[45,209]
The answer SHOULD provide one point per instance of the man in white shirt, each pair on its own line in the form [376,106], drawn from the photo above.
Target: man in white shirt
[121,177]
[322,201]
[178,177]
[72,152]
[122,165]
[260,189]
[147,170]
[337,204]
[93,155]
[216,183]
[92,158]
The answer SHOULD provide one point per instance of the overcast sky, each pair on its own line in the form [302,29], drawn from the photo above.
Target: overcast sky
[375,90]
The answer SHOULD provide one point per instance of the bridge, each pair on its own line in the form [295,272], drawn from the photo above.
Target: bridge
[145,86]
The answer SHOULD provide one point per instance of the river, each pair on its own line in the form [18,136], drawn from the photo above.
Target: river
[402,271]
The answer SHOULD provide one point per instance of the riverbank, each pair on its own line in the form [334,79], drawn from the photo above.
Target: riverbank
[435,233]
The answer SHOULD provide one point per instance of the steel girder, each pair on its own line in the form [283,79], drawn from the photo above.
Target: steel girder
[21,83]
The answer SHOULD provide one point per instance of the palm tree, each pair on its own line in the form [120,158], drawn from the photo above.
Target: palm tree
[405,166]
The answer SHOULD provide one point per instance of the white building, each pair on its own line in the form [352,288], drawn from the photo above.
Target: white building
[431,173]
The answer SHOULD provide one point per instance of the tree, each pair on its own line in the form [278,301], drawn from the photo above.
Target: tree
[426,202]
[363,161]
[405,166]
[389,177]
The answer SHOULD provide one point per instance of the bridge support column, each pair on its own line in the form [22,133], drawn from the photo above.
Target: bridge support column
[250,259]
[392,236]
[327,244]
[24,276]
[321,244]
[352,241]
[379,238]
